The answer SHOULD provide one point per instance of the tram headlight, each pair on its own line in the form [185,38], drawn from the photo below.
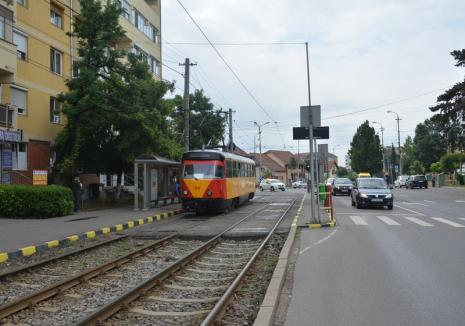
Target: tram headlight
[185,193]
[209,193]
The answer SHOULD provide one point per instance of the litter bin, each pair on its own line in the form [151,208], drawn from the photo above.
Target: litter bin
[322,191]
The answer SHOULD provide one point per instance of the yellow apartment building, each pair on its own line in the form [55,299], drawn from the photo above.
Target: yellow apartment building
[36,58]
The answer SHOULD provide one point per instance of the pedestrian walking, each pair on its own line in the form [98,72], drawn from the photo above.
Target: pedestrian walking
[77,190]
[433,181]
[177,189]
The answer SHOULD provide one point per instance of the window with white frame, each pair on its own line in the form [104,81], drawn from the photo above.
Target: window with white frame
[126,7]
[20,156]
[20,40]
[2,27]
[18,99]
[55,110]
[144,25]
[56,18]
[22,2]
[55,61]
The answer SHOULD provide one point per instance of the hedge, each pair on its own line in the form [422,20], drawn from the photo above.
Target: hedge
[35,201]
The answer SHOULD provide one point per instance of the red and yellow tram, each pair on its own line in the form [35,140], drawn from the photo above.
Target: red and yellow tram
[213,180]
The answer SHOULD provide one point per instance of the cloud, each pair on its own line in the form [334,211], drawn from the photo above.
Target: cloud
[362,54]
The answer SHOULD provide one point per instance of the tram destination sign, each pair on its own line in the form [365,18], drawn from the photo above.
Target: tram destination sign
[303,133]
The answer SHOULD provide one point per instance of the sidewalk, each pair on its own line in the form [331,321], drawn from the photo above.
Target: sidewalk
[18,233]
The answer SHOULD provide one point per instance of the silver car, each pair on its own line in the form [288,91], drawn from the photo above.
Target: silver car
[272,185]
[401,181]
[299,184]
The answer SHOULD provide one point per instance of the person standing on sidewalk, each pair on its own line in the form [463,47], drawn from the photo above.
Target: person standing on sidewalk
[77,190]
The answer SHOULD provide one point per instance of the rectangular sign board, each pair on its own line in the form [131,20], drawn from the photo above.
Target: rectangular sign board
[316,116]
[39,177]
[303,133]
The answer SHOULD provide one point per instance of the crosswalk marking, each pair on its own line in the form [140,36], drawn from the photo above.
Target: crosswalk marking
[358,220]
[418,221]
[462,218]
[443,220]
[387,220]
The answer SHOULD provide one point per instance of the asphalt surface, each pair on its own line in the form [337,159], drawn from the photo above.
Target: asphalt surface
[382,267]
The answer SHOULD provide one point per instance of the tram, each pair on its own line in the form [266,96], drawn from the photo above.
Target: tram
[214,180]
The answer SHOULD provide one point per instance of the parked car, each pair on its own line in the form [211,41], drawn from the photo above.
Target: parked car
[416,181]
[299,184]
[329,181]
[272,185]
[371,192]
[341,186]
[364,175]
[400,181]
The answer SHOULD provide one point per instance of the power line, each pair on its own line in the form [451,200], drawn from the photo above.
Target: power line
[227,65]
[239,44]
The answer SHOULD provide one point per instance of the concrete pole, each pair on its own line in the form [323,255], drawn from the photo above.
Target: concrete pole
[310,140]
[230,131]
[136,186]
[187,66]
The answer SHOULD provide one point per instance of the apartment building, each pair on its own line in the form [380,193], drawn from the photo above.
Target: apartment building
[36,58]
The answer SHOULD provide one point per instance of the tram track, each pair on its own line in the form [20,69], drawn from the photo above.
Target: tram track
[193,290]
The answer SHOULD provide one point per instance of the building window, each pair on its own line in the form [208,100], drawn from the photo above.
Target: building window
[155,66]
[144,26]
[55,61]
[56,18]
[2,28]
[20,41]
[22,2]
[55,110]
[76,71]
[126,7]
[18,99]
[20,157]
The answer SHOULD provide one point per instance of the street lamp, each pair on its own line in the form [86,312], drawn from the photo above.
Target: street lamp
[382,140]
[398,139]
[259,126]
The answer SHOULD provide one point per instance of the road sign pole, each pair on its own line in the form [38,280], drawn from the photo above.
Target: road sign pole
[310,141]
[317,177]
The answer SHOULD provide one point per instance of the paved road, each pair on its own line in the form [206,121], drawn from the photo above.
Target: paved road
[381,267]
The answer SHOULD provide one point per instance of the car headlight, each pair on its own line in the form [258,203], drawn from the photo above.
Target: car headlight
[388,196]
[364,195]
[337,187]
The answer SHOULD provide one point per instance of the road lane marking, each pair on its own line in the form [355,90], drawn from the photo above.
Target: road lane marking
[318,242]
[408,203]
[418,221]
[387,220]
[460,201]
[462,218]
[429,201]
[410,210]
[446,221]
[358,220]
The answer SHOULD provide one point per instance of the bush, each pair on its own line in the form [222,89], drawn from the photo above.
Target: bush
[35,201]
[460,179]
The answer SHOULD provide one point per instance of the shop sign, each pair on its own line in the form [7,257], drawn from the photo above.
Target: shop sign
[39,177]
[6,177]
[10,136]
[7,158]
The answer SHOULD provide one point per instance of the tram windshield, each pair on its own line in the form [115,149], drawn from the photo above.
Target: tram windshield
[203,171]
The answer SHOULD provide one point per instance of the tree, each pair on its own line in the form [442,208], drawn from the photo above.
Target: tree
[365,152]
[416,168]
[451,104]
[436,167]
[293,163]
[206,125]
[342,172]
[408,155]
[429,143]
[450,162]
[115,109]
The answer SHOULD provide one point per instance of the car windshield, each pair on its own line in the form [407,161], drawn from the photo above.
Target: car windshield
[372,184]
[275,181]
[203,171]
[419,178]
[342,181]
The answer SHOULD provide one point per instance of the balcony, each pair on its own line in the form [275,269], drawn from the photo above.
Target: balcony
[8,61]
[7,117]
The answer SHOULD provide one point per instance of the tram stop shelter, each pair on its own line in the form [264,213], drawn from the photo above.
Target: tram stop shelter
[154,179]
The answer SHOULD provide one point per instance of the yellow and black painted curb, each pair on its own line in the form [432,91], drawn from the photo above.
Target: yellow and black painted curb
[31,250]
[322,225]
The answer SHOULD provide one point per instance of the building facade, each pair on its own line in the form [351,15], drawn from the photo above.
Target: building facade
[36,58]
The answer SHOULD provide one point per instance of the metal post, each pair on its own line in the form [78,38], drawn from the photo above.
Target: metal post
[317,172]
[310,129]
[146,190]
[231,147]
[136,186]
[398,140]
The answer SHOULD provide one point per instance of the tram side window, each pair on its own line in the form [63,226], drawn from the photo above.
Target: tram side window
[236,170]
[229,169]
[219,172]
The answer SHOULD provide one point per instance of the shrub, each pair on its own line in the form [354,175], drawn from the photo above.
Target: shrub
[460,179]
[35,201]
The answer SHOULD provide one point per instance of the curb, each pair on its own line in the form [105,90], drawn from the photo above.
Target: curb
[270,301]
[31,250]
[322,225]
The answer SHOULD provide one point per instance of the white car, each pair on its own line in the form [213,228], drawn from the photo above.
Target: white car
[299,184]
[329,181]
[272,185]
[401,181]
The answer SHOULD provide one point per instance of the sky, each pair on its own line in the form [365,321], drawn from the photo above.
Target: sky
[364,54]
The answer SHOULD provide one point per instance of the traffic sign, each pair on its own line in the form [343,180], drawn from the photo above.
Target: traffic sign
[303,133]
[316,116]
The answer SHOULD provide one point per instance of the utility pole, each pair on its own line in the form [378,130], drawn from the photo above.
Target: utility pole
[260,144]
[398,139]
[231,144]
[187,66]
[382,141]
[310,140]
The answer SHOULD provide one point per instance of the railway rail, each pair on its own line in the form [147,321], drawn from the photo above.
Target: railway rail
[198,287]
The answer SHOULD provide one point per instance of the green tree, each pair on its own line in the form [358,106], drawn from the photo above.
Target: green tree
[293,163]
[408,155]
[451,104]
[429,143]
[436,167]
[365,152]
[115,109]
[206,125]
[342,172]
[416,168]
[450,162]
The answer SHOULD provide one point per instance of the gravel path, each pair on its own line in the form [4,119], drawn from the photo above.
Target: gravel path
[81,300]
